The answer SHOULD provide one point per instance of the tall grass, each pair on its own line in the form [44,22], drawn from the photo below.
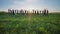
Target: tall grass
[29,24]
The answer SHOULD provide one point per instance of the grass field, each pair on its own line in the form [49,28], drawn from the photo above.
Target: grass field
[30,24]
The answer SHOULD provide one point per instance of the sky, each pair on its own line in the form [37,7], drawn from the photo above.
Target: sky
[30,4]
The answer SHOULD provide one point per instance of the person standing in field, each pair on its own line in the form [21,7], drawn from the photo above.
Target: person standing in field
[13,11]
[47,12]
[9,11]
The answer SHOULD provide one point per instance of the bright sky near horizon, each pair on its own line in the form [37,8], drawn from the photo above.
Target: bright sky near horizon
[30,4]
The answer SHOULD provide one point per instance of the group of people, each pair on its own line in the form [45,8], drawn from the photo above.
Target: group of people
[45,12]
